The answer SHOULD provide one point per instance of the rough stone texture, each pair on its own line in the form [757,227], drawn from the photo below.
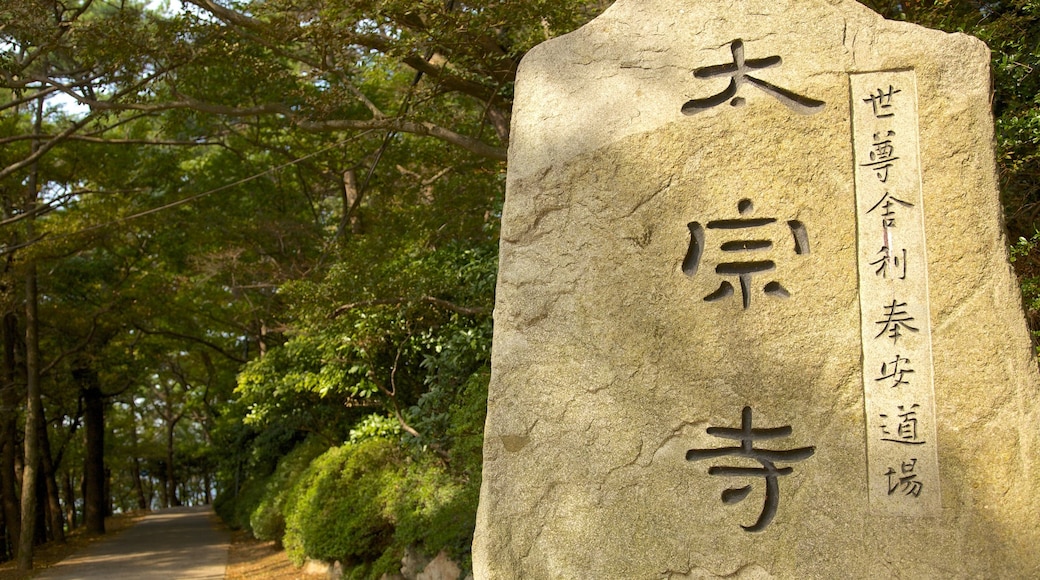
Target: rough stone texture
[441,568]
[608,365]
[330,570]
[415,566]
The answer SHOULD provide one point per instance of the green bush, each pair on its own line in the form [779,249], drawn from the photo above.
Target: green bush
[235,509]
[267,519]
[435,511]
[337,510]
[364,503]
[439,509]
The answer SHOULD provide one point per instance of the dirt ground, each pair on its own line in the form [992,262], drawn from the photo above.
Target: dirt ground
[248,558]
[251,559]
[51,553]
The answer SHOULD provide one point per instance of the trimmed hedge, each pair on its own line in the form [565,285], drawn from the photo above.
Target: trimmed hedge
[341,509]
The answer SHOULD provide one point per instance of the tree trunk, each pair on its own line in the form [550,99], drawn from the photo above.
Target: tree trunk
[171,479]
[142,501]
[135,465]
[41,510]
[32,420]
[109,507]
[32,366]
[5,544]
[164,496]
[70,500]
[94,503]
[9,434]
[53,501]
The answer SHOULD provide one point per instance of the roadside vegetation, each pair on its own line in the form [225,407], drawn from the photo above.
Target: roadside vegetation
[249,253]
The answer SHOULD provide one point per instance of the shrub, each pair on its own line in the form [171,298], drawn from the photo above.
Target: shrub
[337,510]
[267,520]
[236,509]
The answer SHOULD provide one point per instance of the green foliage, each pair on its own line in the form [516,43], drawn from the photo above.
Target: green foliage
[375,427]
[338,509]
[365,503]
[436,510]
[267,520]
[1026,258]
[237,509]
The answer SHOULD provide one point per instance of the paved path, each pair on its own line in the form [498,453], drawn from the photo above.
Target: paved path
[173,544]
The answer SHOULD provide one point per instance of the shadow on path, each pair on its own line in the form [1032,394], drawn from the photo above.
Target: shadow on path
[179,543]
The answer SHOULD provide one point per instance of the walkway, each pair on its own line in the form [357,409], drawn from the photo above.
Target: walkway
[179,543]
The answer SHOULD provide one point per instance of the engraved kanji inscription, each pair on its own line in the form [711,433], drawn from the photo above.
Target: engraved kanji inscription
[888,205]
[904,426]
[882,155]
[745,266]
[881,101]
[766,457]
[906,481]
[737,71]
[896,319]
[895,314]
[894,372]
[890,264]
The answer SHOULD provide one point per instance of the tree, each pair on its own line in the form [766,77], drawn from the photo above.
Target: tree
[262,224]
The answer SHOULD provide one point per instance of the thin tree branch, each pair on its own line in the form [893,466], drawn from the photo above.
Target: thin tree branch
[28,98]
[190,338]
[422,129]
[468,311]
[44,148]
[103,141]
[191,104]
[79,346]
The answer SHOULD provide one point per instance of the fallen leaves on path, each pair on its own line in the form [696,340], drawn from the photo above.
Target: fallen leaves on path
[251,559]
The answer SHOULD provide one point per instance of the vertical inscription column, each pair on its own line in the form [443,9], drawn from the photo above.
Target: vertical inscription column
[902,458]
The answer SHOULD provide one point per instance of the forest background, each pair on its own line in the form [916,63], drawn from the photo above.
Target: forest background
[248,253]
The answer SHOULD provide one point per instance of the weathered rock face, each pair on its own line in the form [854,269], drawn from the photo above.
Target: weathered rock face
[755,316]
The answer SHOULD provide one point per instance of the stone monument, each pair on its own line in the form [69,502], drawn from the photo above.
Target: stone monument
[755,317]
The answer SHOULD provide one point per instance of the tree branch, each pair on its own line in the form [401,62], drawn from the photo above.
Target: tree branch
[190,338]
[192,104]
[422,129]
[103,141]
[468,311]
[44,148]
[28,98]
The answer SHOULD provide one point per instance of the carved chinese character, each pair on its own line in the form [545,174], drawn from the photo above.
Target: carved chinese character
[895,321]
[882,155]
[881,102]
[907,480]
[766,457]
[905,429]
[737,71]
[887,203]
[890,262]
[896,371]
[743,269]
